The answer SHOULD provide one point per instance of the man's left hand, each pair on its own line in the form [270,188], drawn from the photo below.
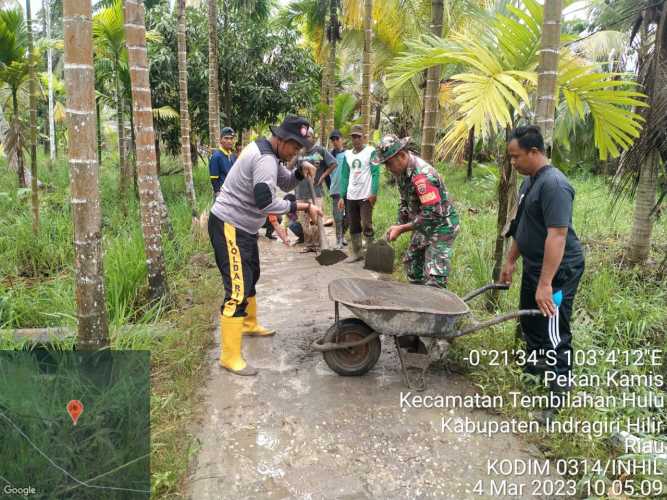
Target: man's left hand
[544,300]
[372,199]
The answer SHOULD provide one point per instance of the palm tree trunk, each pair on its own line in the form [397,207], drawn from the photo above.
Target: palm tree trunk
[323,92]
[130,147]
[93,332]
[213,85]
[46,6]
[184,112]
[33,124]
[642,224]
[331,70]
[158,164]
[366,69]
[432,89]
[150,196]
[122,156]
[20,170]
[471,152]
[323,103]
[504,204]
[547,72]
[99,131]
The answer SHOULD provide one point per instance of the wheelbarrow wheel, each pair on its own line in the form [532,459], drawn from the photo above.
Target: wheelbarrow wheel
[353,361]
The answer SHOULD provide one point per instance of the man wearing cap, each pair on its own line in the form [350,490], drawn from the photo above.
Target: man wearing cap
[360,180]
[337,152]
[425,210]
[222,160]
[322,160]
[247,197]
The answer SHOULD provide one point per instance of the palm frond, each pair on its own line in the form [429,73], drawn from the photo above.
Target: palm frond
[344,106]
[166,113]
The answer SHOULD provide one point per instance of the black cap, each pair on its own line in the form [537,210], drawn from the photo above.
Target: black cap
[335,134]
[294,128]
[227,131]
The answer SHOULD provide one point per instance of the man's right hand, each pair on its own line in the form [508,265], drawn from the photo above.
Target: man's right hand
[314,211]
[507,272]
[308,169]
[341,204]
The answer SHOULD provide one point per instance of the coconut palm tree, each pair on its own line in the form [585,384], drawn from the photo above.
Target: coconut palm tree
[366,69]
[432,88]
[46,7]
[84,173]
[333,36]
[32,83]
[213,84]
[109,44]
[150,194]
[638,169]
[14,72]
[545,108]
[186,157]
[497,73]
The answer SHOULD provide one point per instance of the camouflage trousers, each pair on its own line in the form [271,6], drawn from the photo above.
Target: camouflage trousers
[427,259]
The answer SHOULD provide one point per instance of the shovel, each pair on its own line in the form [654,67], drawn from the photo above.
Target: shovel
[327,256]
[380,257]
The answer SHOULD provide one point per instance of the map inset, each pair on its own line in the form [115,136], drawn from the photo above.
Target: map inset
[75,424]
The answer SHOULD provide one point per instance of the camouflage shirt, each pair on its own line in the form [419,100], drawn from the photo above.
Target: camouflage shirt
[424,200]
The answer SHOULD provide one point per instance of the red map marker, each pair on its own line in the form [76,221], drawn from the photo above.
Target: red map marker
[75,409]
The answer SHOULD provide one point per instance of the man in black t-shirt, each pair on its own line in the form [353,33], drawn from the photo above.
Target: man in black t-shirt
[553,260]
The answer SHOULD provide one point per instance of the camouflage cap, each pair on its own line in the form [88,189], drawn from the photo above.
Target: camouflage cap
[388,147]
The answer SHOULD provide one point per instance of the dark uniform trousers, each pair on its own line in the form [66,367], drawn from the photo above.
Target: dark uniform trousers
[550,334]
[360,217]
[237,257]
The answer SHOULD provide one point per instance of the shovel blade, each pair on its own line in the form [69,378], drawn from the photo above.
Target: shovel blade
[380,257]
[330,257]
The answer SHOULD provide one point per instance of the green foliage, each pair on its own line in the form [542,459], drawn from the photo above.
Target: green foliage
[264,73]
[344,107]
[13,48]
[37,290]
[499,73]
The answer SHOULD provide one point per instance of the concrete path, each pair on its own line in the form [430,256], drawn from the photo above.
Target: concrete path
[300,431]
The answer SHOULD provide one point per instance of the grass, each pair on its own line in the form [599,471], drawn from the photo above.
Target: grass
[617,307]
[37,290]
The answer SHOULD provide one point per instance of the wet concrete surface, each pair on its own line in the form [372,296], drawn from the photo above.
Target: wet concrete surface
[298,430]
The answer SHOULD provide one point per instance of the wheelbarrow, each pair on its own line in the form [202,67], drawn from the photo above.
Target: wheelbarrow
[352,347]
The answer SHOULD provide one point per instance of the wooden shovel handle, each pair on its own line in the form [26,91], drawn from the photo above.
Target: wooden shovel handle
[324,242]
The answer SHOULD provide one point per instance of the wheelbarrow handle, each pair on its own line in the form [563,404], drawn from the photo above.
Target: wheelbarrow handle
[485,288]
[479,325]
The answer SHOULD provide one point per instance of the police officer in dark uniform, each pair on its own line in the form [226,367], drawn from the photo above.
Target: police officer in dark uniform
[222,160]
[553,260]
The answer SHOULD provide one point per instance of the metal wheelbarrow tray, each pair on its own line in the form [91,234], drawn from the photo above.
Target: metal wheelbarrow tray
[407,312]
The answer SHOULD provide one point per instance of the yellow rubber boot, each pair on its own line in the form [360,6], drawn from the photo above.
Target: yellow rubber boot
[231,340]
[250,325]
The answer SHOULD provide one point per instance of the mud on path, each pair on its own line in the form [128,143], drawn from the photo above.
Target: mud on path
[298,430]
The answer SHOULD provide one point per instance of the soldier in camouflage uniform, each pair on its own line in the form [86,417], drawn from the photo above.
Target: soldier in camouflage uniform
[425,209]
